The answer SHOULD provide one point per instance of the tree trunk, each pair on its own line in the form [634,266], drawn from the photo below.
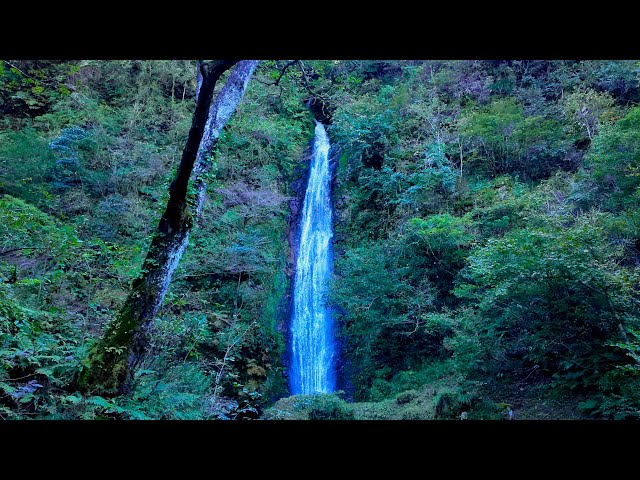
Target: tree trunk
[113,360]
[222,109]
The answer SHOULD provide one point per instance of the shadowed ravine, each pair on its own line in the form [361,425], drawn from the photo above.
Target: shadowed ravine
[312,341]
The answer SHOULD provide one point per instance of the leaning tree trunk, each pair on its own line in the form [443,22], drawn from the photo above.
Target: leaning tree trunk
[113,360]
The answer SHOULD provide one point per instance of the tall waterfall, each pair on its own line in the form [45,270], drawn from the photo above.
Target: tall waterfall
[312,342]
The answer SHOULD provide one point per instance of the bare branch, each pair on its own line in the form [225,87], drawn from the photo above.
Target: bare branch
[282,72]
[284,69]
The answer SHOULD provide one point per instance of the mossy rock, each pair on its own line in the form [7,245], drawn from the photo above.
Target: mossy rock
[406,397]
[330,407]
[310,407]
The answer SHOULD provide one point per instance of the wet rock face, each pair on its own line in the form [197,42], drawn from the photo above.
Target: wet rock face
[321,111]
[299,187]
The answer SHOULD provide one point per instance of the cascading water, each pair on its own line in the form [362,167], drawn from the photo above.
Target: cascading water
[312,342]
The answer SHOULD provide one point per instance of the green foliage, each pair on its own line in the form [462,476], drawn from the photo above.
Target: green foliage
[329,407]
[311,407]
[365,128]
[31,87]
[615,159]
[476,260]
[505,140]
[381,308]
[588,109]
[619,78]
[179,392]
[25,163]
[618,397]
[548,296]
[39,357]
[265,138]
[529,281]
[443,232]
[450,404]
[24,226]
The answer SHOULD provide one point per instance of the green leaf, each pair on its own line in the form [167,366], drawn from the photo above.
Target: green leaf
[99,402]
[48,371]
[72,399]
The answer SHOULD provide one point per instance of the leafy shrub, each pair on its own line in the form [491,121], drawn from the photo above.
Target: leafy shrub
[504,140]
[329,407]
[547,296]
[450,404]
[615,159]
[25,162]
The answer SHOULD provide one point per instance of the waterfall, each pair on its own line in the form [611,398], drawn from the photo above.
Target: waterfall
[312,343]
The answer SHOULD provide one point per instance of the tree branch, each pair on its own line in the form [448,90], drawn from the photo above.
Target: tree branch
[284,69]
[324,98]
[282,72]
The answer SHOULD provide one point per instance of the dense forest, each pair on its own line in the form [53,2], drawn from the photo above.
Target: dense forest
[486,237]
